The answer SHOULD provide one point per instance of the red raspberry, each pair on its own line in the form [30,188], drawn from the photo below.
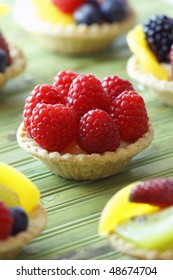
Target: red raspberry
[129,112]
[98,132]
[41,94]
[4,46]
[68,6]
[6,222]
[114,86]
[86,93]
[62,82]
[157,192]
[53,127]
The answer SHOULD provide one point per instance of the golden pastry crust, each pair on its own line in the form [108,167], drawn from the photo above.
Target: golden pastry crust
[17,66]
[72,38]
[10,247]
[84,166]
[162,88]
[130,249]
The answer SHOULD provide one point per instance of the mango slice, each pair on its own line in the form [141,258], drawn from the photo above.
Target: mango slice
[3,9]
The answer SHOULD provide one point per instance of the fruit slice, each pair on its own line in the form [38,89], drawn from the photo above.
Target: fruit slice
[138,45]
[18,183]
[9,197]
[47,11]
[119,209]
[153,231]
[3,9]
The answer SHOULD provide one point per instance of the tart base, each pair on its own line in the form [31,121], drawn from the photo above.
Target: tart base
[162,88]
[17,66]
[72,38]
[10,247]
[130,249]
[84,166]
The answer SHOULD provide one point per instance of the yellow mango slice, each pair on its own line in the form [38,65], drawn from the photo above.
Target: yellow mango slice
[119,209]
[138,45]
[47,11]
[3,9]
[18,183]
[8,197]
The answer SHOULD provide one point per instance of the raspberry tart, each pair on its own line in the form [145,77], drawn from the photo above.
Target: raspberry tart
[151,63]
[78,132]
[75,26]
[22,217]
[137,220]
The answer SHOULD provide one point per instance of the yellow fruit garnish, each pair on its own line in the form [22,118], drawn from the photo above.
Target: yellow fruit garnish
[8,197]
[18,183]
[3,9]
[138,45]
[119,209]
[47,11]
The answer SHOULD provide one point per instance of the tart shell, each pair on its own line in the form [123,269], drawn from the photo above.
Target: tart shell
[17,66]
[84,166]
[10,247]
[130,249]
[162,88]
[72,38]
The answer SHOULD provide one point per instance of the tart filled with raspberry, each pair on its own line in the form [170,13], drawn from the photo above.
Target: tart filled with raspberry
[151,64]
[75,26]
[22,217]
[137,220]
[83,128]
[12,60]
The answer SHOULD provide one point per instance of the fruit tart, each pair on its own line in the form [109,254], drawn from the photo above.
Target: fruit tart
[138,219]
[152,62]
[22,218]
[83,128]
[75,26]
[12,60]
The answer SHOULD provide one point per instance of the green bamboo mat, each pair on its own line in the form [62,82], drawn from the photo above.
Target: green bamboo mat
[74,208]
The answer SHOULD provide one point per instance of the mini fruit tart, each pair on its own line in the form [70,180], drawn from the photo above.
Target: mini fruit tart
[82,128]
[152,60]
[77,26]
[138,222]
[22,218]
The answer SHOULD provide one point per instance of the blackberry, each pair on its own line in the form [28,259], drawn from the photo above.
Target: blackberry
[158,32]
[20,220]
[5,47]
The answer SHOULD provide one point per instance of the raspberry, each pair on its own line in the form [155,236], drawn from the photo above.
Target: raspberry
[62,82]
[53,127]
[86,93]
[68,6]
[129,112]
[41,94]
[4,46]
[159,36]
[6,222]
[114,86]
[98,132]
[158,192]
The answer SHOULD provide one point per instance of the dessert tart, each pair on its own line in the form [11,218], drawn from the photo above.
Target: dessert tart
[22,217]
[89,144]
[151,64]
[59,31]
[137,220]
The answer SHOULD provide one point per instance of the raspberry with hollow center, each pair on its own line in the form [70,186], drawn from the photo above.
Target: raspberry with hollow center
[68,6]
[53,127]
[6,222]
[86,93]
[97,132]
[62,82]
[129,112]
[114,86]
[47,94]
[158,192]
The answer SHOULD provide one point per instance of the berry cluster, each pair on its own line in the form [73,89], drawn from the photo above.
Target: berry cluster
[5,59]
[159,36]
[81,109]
[94,11]
[12,221]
